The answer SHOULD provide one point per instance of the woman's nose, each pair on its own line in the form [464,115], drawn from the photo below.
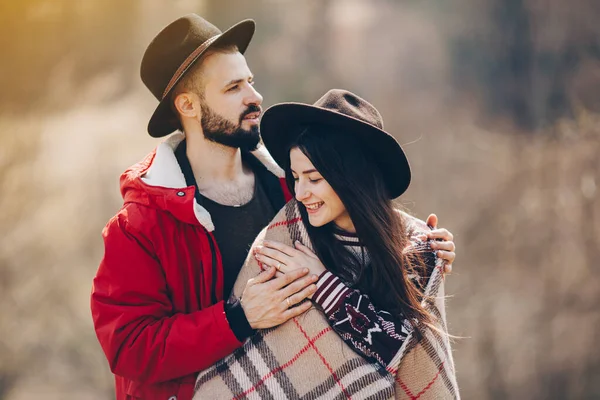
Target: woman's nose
[301,193]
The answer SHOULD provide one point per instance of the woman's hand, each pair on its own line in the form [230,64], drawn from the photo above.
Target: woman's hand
[286,259]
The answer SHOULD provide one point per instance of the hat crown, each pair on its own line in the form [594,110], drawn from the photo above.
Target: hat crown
[341,112]
[171,47]
[347,103]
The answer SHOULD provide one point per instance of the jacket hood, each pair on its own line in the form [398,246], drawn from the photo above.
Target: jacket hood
[158,182]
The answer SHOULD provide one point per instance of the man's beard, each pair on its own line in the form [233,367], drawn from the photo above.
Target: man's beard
[222,131]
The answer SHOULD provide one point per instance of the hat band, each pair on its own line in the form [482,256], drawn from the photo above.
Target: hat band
[187,63]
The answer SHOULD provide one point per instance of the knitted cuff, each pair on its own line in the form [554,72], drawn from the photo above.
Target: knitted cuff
[237,320]
[330,293]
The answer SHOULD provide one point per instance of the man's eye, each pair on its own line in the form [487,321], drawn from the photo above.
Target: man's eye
[233,88]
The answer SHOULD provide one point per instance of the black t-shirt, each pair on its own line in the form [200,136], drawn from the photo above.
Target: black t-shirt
[236,227]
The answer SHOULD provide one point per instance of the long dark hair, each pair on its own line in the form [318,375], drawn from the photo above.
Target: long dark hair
[355,177]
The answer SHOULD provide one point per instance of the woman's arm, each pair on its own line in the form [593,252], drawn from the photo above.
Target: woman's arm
[371,331]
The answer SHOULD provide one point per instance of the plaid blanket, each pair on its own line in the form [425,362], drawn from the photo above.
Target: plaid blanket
[305,359]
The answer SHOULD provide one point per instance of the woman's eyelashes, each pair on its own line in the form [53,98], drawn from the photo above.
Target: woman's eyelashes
[311,180]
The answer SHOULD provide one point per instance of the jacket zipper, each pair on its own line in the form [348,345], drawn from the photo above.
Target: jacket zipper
[214,268]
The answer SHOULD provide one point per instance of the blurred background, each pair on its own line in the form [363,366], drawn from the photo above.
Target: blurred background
[497,102]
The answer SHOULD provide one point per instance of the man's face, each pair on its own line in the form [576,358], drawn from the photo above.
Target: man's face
[230,105]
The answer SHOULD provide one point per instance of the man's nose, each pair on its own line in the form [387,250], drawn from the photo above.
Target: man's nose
[254,97]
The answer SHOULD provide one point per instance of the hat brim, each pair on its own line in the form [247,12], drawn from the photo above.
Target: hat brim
[163,121]
[280,125]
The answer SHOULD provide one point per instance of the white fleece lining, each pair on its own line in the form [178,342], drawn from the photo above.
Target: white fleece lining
[263,155]
[166,172]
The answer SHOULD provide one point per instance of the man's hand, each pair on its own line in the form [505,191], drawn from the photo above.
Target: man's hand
[270,302]
[445,247]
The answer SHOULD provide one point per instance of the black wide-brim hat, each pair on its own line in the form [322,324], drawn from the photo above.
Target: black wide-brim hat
[345,112]
[174,51]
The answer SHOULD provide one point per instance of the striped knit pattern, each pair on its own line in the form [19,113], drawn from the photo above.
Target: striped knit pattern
[305,359]
[353,244]
[331,292]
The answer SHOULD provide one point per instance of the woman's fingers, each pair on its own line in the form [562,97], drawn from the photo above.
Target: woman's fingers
[283,248]
[284,262]
[269,262]
[273,254]
[305,249]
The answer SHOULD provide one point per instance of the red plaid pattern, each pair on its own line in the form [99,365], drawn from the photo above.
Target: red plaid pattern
[305,359]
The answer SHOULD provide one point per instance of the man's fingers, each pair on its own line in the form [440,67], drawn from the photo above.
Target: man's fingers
[298,285]
[445,245]
[305,293]
[443,234]
[447,256]
[288,278]
[432,221]
[295,311]
[263,276]
[447,268]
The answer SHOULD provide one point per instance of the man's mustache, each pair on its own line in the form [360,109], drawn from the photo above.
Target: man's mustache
[252,108]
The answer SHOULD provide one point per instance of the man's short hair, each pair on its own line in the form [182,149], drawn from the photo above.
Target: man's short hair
[192,79]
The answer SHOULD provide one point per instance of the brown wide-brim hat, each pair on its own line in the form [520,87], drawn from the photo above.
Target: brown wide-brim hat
[345,112]
[174,51]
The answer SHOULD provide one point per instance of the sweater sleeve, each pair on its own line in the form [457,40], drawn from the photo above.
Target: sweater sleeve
[371,331]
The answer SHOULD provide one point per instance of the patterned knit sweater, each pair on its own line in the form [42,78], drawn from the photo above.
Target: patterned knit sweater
[368,329]
[305,358]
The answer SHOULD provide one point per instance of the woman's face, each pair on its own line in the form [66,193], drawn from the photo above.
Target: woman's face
[322,204]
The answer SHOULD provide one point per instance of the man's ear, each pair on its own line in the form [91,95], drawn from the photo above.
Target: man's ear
[186,105]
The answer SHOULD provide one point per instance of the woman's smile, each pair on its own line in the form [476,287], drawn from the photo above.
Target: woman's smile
[322,203]
[313,208]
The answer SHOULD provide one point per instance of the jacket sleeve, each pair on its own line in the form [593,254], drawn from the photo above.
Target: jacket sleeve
[142,338]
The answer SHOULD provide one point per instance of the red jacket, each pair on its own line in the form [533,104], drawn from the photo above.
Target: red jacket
[157,300]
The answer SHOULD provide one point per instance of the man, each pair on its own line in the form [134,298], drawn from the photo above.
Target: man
[191,210]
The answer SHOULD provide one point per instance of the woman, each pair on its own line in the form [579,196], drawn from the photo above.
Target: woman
[374,287]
